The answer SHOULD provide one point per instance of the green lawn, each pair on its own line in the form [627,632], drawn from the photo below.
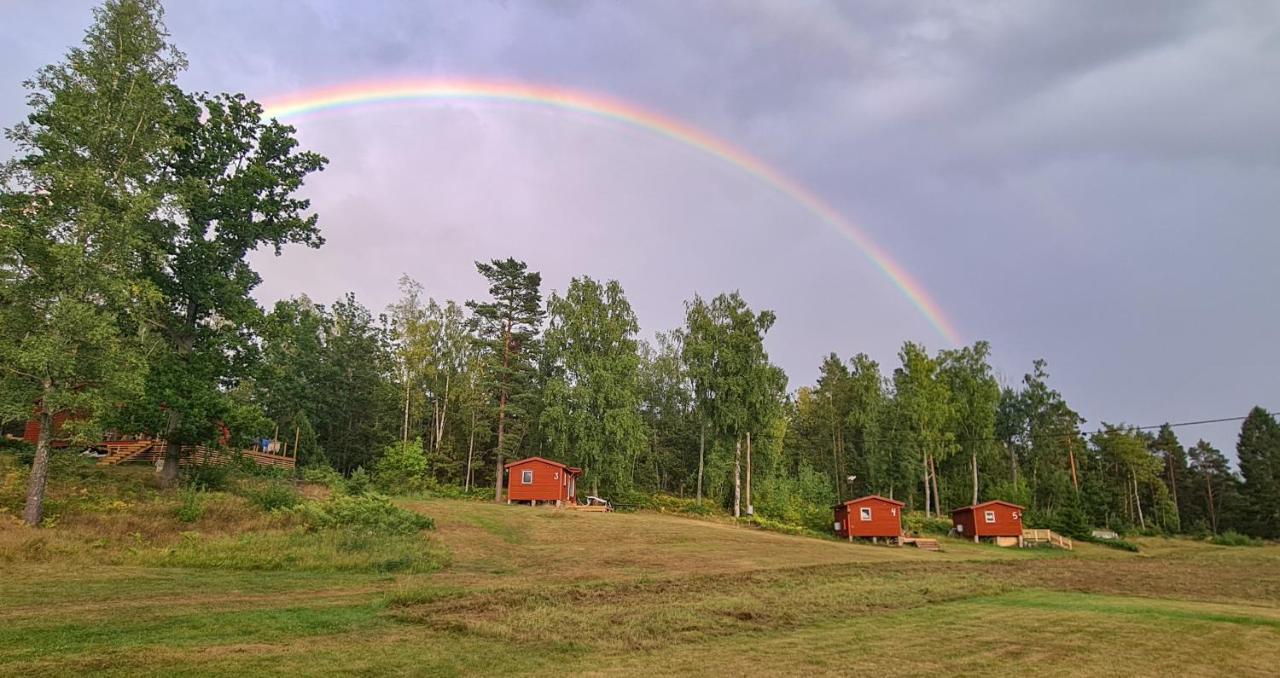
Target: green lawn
[540,592]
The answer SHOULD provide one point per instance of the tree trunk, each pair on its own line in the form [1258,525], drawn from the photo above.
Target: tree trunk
[750,511]
[33,512]
[924,459]
[471,448]
[974,462]
[444,412]
[1137,501]
[1213,516]
[737,479]
[1013,464]
[502,411]
[1173,486]
[1071,454]
[702,454]
[172,450]
[937,496]
[404,430]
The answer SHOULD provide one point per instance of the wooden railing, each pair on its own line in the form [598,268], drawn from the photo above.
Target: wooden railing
[1047,537]
[151,450]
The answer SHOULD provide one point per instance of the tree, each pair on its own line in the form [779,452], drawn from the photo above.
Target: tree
[736,389]
[507,329]
[232,181]
[976,396]
[1258,451]
[924,405]
[1214,484]
[1174,459]
[72,207]
[593,387]
[666,405]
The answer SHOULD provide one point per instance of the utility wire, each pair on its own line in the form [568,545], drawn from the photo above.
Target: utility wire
[1042,436]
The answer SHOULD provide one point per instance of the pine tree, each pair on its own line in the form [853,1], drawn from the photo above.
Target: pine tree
[507,328]
[1258,451]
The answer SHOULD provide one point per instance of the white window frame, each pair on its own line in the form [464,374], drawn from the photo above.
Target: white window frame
[526,477]
[864,514]
[989,516]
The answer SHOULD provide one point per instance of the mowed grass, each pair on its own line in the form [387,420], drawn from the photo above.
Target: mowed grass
[540,592]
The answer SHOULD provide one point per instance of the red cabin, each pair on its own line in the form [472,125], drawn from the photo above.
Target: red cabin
[996,519]
[870,517]
[536,479]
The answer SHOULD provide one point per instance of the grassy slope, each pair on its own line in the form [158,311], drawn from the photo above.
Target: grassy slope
[537,591]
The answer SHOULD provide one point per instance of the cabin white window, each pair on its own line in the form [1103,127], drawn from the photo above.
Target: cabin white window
[990,516]
[526,477]
[865,513]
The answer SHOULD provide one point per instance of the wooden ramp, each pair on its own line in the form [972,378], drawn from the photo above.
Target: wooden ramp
[119,452]
[921,543]
[1033,537]
[122,451]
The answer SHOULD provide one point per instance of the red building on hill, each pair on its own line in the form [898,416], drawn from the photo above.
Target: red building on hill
[996,519]
[871,517]
[536,479]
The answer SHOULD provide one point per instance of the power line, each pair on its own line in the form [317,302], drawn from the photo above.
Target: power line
[1042,436]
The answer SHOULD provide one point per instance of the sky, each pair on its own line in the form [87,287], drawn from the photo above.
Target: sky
[1092,183]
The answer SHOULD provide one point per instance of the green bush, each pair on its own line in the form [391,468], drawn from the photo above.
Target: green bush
[324,475]
[192,507]
[402,468]
[1233,538]
[274,495]
[359,484]
[208,477]
[915,522]
[1112,543]
[370,512]
[666,503]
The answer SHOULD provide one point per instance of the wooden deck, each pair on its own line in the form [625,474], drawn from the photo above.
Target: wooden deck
[119,452]
[1033,537]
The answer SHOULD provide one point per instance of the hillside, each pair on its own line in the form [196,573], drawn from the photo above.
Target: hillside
[511,589]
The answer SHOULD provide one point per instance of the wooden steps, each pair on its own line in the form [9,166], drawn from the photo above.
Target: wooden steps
[120,452]
[927,544]
[1050,537]
[151,450]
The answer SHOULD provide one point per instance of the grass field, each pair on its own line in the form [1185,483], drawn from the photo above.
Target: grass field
[526,591]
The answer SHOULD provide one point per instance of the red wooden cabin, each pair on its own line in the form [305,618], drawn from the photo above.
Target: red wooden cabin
[536,479]
[995,519]
[870,517]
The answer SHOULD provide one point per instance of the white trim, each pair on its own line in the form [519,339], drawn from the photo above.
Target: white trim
[864,514]
[989,516]
[526,477]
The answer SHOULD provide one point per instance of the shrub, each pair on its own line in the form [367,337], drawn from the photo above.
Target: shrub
[359,484]
[1112,543]
[324,475]
[192,507]
[665,503]
[208,477]
[370,512]
[1233,538]
[915,522]
[402,468]
[274,495]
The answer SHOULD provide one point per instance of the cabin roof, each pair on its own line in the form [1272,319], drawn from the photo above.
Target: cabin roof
[871,496]
[987,503]
[571,469]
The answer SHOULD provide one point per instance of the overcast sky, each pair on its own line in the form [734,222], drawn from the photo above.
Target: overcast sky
[1094,183]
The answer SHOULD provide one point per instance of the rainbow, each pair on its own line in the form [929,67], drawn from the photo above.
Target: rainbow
[559,98]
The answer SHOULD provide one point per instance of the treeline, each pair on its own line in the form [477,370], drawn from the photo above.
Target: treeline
[701,412]
[125,297]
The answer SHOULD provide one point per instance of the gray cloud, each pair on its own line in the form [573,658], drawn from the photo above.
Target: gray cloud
[1091,182]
